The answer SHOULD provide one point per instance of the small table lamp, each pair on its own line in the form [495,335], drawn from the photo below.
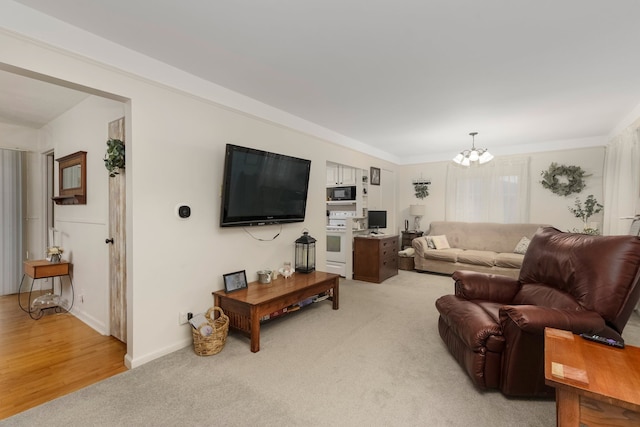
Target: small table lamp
[418,211]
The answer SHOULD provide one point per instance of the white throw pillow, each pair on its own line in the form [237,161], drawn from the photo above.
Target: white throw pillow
[440,242]
[522,246]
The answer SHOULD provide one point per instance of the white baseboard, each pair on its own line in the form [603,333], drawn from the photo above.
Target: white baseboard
[139,361]
[91,321]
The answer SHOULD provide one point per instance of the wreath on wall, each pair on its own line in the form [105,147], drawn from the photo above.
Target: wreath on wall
[114,158]
[574,176]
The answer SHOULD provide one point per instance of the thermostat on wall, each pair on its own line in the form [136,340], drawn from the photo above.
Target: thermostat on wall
[183,211]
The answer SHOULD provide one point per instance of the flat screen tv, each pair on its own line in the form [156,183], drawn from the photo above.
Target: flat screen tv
[377,219]
[261,188]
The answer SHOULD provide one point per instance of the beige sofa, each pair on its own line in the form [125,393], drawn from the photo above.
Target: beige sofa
[482,247]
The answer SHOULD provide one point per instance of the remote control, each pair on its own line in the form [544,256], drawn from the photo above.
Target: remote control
[603,340]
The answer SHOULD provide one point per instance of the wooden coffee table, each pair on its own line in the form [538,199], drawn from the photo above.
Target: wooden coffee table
[595,384]
[247,306]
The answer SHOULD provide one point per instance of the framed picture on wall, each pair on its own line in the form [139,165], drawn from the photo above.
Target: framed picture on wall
[375,176]
[235,281]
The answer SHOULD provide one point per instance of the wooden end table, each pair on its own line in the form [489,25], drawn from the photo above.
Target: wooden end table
[43,269]
[408,236]
[247,306]
[595,383]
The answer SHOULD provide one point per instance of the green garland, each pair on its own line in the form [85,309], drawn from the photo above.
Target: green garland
[421,190]
[574,174]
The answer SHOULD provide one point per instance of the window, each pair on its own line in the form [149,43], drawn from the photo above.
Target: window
[494,192]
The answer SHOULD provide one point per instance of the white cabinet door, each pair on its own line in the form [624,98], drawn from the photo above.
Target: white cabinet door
[333,177]
[340,175]
[348,175]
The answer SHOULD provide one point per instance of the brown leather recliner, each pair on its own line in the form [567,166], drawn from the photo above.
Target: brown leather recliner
[494,325]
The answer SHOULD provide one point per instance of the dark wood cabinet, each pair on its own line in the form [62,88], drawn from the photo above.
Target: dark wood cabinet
[375,259]
[408,236]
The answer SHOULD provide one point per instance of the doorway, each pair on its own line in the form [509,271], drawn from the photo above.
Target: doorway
[68,117]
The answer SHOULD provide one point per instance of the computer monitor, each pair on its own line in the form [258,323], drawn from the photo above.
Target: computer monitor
[377,220]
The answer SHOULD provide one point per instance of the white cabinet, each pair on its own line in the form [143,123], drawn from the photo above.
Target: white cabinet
[347,175]
[332,174]
[340,175]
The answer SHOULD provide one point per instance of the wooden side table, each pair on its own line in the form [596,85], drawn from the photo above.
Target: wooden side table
[594,383]
[408,236]
[43,269]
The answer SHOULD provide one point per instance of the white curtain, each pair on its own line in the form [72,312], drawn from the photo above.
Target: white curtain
[621,181]
[10,221]
[493,192]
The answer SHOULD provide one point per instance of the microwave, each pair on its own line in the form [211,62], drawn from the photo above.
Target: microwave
[342,193]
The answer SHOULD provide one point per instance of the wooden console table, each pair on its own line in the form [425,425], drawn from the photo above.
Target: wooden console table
[375,259]
[247,306]
[595,384]
[43,269]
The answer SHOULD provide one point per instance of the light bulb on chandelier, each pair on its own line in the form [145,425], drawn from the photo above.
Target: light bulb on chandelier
[467,157]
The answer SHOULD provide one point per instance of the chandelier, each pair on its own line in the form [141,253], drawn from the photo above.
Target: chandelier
[480,155]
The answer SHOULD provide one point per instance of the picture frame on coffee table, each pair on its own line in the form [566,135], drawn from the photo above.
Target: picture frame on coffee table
[235,281]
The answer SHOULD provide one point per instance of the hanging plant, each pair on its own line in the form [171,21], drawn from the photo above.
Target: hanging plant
[114,158]
[574,176]
[421,188]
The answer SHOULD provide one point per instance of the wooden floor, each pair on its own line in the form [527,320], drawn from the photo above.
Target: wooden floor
[41,360]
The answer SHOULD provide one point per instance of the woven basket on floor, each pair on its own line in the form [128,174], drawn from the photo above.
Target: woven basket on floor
[214,343]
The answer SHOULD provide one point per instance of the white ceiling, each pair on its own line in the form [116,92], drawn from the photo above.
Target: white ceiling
[408,77]
[33,103]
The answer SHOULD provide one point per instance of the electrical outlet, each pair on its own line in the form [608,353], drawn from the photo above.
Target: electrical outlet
[183,318]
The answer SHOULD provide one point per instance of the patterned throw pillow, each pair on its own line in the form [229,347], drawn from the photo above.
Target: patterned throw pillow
[440,242]
[522,246]
[430,244]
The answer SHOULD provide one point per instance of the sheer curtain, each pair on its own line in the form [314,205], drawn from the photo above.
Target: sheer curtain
[621,180]
[494,192]
[10,221]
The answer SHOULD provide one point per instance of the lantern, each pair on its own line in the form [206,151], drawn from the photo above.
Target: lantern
[305,253]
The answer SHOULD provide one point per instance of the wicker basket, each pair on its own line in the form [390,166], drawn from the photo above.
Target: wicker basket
[214,343]
[406,263]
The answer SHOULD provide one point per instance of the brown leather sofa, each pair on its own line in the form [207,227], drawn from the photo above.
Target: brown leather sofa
[494,325]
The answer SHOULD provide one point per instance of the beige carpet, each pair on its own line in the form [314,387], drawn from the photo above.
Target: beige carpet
[378,361]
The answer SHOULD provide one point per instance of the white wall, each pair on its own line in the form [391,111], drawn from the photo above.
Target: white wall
[178,147]
[545,207]
[18,137]
[174,155]
[550,208]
